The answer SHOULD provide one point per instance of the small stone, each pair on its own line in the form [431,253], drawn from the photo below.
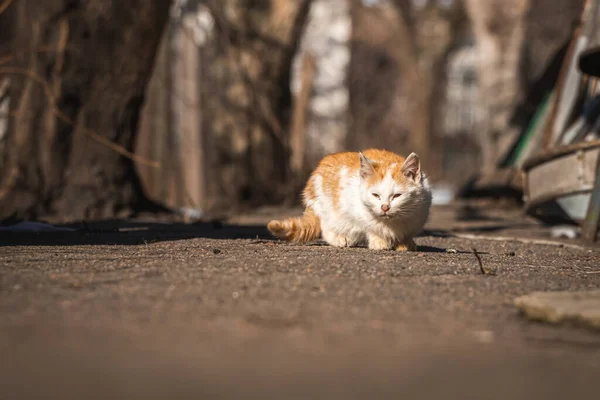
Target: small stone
[451,251]
[582,308]
[216,251]
[235,295]
[510,253]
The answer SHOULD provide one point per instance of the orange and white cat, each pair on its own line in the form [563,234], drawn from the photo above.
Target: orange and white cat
[375,196]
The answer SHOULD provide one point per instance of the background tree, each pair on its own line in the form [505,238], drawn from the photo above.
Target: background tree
[78,72]
[248,98]
[397,75]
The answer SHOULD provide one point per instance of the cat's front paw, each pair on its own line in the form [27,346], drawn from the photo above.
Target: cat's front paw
[340,241]
[408,245]
[336,240]
[377,243]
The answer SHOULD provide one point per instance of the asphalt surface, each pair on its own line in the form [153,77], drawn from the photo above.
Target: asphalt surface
[156,310]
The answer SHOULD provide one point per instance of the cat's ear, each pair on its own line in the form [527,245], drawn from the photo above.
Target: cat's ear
[412,167]
[366,166]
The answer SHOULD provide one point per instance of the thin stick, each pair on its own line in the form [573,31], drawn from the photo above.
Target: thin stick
[483,271]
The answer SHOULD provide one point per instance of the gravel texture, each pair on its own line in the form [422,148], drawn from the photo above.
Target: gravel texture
[224,311]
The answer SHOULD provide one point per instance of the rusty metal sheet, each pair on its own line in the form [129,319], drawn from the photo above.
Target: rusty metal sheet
[562,179]
[568,174]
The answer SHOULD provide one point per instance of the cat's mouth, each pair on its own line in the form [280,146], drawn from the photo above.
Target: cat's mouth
[381,215]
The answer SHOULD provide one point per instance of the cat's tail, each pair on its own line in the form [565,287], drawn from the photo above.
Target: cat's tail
[299,229]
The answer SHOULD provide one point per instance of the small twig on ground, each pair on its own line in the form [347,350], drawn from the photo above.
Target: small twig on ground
[479,260]
[481,268]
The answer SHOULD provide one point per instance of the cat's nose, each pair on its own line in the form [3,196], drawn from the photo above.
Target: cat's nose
[385,207]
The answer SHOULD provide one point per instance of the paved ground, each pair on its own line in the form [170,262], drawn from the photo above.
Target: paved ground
[211,311]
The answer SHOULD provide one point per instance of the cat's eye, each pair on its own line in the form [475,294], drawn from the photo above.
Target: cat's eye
[395,196]
[375,195]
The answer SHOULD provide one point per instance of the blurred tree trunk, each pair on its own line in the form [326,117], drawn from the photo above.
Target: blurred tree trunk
[499,28]
[381,75]
[6,22]
[397,74]
[91,60]
[248,99]
[435,31]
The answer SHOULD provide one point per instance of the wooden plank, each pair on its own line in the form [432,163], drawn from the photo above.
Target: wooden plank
[592,219]
[558,151]
[567,84]
[571,91]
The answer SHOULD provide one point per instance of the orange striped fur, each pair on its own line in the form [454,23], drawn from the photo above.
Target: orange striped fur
[299,229]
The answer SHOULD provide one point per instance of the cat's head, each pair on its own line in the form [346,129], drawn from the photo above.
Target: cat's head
[389,190]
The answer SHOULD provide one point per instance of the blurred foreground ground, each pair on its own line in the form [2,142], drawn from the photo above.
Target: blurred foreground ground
[175,311]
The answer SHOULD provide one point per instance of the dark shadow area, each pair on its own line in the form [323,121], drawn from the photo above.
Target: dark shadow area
[472,190]
[430,249]
[492,228]
[474,229]
[317,244]
[469,213]
[420,249]
[122,232]
[550,213]
[132,233]
[322,243]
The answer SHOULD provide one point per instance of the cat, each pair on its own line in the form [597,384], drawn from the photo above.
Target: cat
[375,197]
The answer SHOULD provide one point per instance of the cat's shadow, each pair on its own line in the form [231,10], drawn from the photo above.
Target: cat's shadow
[431,249]
[420,249]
